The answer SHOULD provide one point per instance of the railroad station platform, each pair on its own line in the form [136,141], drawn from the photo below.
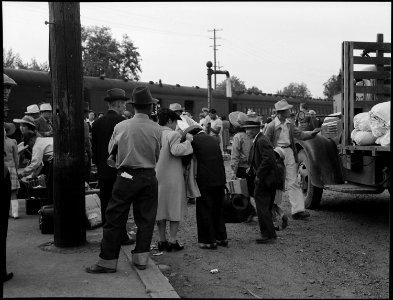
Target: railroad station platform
[44,270]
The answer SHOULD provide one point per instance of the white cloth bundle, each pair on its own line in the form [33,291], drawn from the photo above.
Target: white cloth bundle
[380,119]
[363,138]
[362,121]
[384,140]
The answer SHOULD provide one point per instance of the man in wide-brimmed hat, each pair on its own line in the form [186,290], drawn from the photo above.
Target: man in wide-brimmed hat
[136,144]
[281,132]
[101,132]
[264,169]
[44,122]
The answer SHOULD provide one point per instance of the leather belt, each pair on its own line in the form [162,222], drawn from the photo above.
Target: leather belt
[289,146]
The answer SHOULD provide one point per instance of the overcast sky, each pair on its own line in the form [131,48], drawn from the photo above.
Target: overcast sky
[264,44]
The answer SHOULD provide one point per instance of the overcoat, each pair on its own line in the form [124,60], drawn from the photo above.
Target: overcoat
[172,201]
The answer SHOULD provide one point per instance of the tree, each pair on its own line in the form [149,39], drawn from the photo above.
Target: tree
[332,86]
[236,83]
[296,89]
[10,59]
[102,54]
[254,90]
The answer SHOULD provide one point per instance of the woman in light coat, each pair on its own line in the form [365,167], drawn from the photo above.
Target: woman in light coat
[172,200]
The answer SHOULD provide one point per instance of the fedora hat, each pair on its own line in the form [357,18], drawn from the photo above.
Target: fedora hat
[250,122]
[32,109]
[116,94]
[282,105]
[142,95]
[25,120]
[45,107]
[175,107]
[9,128]
[8,81]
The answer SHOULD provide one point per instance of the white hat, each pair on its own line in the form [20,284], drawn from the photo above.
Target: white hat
[175,107]
[32,109]
[282,105]
[236,116]
[45,107]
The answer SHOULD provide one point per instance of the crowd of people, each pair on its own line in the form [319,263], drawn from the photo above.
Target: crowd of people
[155,162]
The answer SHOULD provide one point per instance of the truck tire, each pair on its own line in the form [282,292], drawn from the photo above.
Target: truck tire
[312,194]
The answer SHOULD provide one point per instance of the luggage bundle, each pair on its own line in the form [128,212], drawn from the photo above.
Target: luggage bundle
[36,194]
[237,202]
[372,127]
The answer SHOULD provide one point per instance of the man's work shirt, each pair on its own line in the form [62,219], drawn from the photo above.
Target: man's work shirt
[42,152]
[138,142]
[283,139]
[241,146]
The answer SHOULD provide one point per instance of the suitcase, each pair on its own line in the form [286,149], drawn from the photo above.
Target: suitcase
[33,205]
[45,220]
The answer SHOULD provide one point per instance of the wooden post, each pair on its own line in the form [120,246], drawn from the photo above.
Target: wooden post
[67,89]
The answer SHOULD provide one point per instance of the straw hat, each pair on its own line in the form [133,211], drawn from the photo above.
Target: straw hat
[235,117]
[282,105]
[25,120]
[45,107]
[175,107]
[32,109]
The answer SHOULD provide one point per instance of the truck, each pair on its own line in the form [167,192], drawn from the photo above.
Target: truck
[331,161]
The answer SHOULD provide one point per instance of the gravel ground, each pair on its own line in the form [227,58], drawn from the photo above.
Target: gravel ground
[342,251]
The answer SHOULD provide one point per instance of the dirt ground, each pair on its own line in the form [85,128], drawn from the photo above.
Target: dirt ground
[342,251]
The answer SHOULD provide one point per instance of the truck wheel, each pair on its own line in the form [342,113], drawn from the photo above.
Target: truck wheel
[312,194]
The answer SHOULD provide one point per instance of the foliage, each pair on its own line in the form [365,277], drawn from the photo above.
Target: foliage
[254,90]
[236,83]
[102,54]
[12,60]
[296,89]
[332,86]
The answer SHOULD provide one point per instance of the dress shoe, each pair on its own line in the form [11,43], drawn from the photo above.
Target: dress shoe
[139,267]
[162,246]
[8,276]
[223,243]
[302,215]
[175,246]
[128,242]
[96,269]
[208,246]
[284,221]
[266,240]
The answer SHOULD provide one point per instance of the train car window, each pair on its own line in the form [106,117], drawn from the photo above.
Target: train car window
[189,106]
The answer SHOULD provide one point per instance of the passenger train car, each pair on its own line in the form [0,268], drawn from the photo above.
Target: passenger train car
[34,87]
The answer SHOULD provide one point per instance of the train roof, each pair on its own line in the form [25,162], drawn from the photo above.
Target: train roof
[41,78]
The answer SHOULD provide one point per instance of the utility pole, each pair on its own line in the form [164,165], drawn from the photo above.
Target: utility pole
[215,49]
[65,61]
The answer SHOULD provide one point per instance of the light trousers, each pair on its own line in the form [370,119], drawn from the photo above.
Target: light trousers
[292,188]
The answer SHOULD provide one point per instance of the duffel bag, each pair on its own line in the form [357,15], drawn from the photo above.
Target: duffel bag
[45,220]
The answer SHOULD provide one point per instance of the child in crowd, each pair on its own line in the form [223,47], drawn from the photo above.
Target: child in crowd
[11,161]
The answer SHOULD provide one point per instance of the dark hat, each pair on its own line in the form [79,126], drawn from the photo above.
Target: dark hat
[116,94]
[142,95]
[250,122]
[193,129]
[166,114]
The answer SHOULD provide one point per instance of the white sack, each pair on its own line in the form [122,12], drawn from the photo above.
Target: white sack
[384,140]
[362,121]
[363,138]
[382,111]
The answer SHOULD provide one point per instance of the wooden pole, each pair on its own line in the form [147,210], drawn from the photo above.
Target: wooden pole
[67,89]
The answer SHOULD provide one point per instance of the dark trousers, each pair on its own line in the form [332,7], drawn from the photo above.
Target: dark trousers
[242,173]
[47,170]
[5,208]
[264,199]
[106,187]
[142,192]
[209,215]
